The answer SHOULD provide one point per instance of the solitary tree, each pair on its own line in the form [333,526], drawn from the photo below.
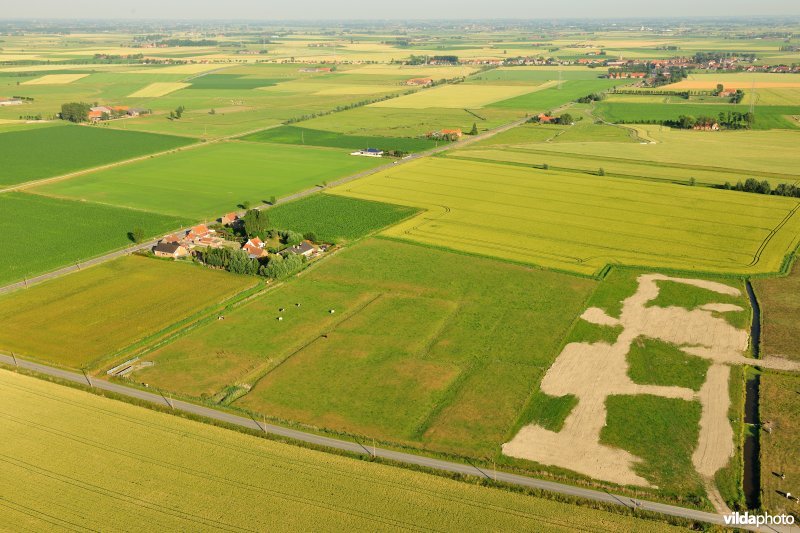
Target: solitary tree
[601,172]
[137,235]
[474,130]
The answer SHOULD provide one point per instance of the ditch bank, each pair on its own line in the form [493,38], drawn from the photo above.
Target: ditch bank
[751,478]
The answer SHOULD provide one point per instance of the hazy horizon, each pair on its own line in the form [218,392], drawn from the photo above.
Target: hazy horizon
[319,10]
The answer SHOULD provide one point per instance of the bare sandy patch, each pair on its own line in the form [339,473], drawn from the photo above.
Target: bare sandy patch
[594,371]
[595,315]
[721,308]
[715,445]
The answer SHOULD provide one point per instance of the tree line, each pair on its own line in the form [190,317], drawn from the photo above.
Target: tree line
[752,185]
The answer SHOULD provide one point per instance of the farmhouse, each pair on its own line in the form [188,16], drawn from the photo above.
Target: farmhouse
[450,134]
[10,101]
[420,82]
[254,248]
[198,232]
[228,219]
[368,152]
[544,118]
[305,248]
[170,249]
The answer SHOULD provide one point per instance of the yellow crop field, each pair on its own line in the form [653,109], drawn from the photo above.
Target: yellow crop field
[122,467]
[459,96]
[158,89]
[55,79]
[581,222]
[75,319]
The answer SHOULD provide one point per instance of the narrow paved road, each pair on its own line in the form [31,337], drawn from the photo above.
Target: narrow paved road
[149,244]
[354,447]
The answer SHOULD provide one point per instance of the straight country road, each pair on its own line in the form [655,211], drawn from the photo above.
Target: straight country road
[357,448]
[149,244]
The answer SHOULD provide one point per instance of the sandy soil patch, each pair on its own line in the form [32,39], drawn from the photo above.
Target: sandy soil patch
[55,79]
[595,315]
[721,308]
[594,371]
[715,444]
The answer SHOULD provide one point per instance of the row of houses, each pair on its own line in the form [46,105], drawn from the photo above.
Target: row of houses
[4,102]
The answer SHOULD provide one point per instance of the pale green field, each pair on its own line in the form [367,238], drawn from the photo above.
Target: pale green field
[120,467]
[739,154]
[581,222]
[459,96]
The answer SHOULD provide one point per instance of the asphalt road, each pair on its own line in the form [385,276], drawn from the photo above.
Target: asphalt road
[354,447]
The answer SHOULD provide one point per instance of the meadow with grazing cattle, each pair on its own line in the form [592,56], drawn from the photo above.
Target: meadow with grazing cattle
[463,329]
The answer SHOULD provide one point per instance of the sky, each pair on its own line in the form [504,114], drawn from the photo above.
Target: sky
[265,10]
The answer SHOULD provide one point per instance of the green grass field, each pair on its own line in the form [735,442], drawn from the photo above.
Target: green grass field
[337,218]
[310,137]
[536,74]
[44,152]
[553,97]
[663,432]
[230,81]
[654,362]
[763,154]
[767,117]
[780,449]
[208,181]
[166,473]
[383,121]
[73,320]
[42,234]
[779,311]
[463,331]
[580,222]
